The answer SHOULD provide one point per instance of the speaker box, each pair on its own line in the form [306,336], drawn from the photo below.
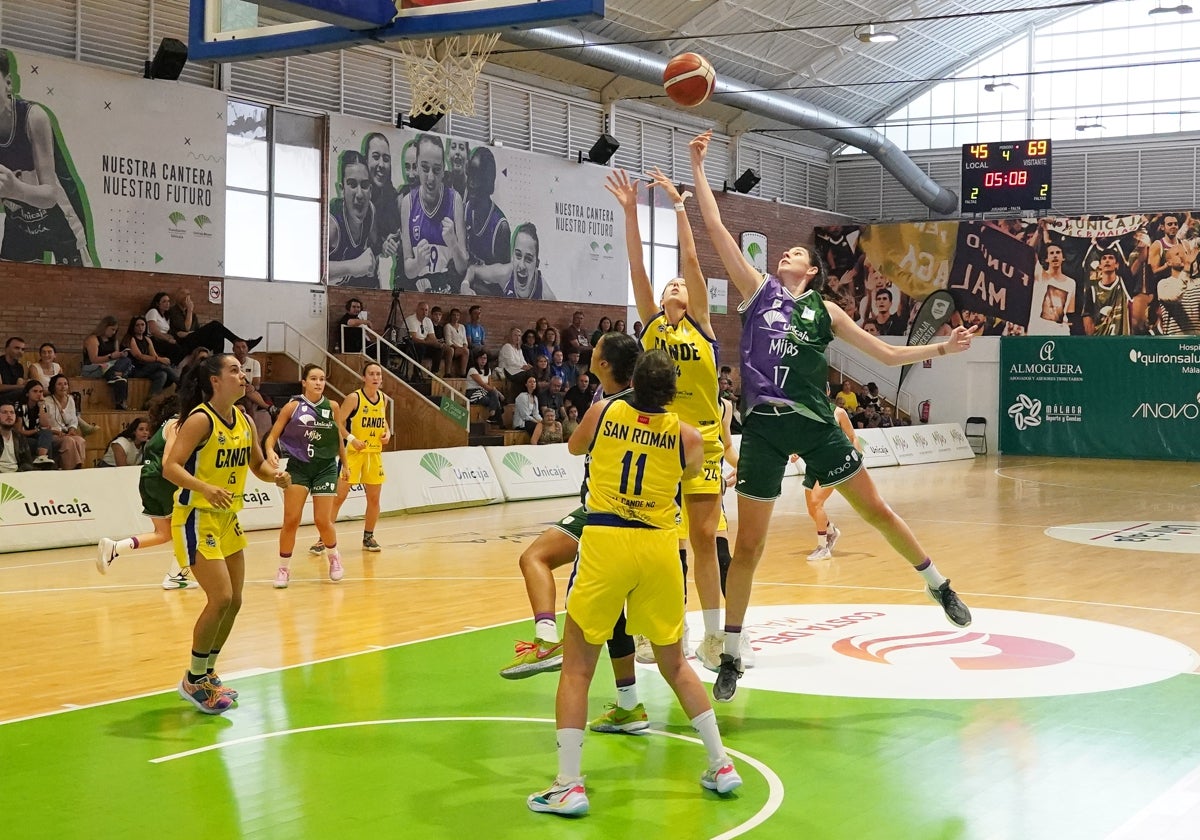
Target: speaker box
[603,149]
[168,61]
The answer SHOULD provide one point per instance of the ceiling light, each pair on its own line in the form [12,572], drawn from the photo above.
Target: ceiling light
[1181,9]
[992,87]
[871,35]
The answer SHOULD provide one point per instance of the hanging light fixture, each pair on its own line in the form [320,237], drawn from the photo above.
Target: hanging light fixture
[871,35]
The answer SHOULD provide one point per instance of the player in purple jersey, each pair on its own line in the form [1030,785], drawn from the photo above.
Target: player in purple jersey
[433,242]
[352,227]
[488,234]
[786,327]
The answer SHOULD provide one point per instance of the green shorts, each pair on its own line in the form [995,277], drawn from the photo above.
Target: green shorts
[572,524]
[770,435]
[158,496]
[320,476]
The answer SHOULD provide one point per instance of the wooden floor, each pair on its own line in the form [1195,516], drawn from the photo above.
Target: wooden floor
[74,637]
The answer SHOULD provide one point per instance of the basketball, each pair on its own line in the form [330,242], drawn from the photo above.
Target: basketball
[689,79]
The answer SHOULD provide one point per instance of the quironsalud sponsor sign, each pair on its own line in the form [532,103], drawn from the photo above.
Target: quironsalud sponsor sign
[1119,397]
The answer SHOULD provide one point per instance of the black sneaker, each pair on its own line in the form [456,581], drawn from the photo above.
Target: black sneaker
[727,677]
[956,611]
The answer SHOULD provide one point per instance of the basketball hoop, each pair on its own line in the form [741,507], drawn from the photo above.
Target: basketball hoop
[442,74]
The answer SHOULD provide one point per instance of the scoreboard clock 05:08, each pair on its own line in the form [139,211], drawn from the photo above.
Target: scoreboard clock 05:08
[1006,176]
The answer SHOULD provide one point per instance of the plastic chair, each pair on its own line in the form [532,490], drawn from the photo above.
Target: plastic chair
[976,434]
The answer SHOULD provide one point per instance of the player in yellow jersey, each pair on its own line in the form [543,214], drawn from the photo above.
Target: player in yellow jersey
[215,446]
[364,415]
[679,324]
[627,559]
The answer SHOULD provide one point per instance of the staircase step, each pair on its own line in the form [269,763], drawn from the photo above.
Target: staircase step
[486,440]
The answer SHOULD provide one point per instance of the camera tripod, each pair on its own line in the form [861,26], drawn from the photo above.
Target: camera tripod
[395,330]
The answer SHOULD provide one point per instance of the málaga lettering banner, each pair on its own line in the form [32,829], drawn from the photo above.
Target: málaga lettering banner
[1117,397]
[102,169]
[433,213]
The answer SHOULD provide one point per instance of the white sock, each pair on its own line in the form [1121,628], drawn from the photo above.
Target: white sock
[570,754]
[627,696]
[125,545]
[334,554]
[173,568]
[705,725]
[712,621]
[547,630]
[932,576]
[733,643]
[823,538]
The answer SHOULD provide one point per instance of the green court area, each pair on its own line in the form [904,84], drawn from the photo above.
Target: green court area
[425,741]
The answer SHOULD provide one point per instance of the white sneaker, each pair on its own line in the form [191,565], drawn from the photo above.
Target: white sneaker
[831,536]
[180,580]
[746,653]
[722,779]
[335,567]
[106,552]
[282,577]
[643,650]
[710,649]
[821,553]
[43,459]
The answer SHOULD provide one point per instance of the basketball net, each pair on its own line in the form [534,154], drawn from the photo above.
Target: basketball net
[442,74]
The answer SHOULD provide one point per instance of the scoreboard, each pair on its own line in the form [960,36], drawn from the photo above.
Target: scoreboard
[1006,176]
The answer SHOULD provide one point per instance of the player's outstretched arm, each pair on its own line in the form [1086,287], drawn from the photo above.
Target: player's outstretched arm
[854,335]
[625,192]
[744,276]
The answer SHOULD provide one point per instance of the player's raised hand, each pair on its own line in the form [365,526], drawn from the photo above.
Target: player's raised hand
[960,339]
[699,146]
[623,189]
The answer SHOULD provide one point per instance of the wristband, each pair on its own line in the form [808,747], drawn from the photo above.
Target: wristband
[942,349]
[350,438]
[679,208]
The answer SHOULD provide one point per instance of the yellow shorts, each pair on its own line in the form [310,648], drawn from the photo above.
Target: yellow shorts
[365,467]
[710,480]
[634,568]
[213,534]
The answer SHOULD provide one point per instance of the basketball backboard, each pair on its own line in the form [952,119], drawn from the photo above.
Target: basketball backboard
[235,30]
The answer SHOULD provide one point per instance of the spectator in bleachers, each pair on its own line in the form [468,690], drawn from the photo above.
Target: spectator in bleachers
[571,367]
[457,344]
[725,392]
[549,342]
[554,397]
[866,417]
[439,332]
[480,389]
[604,326]
[420,328]
[476,334]
[198,355]
[32,423]
[65,424]
[512,365]
[349,337]
[45,367]
[549,430]
[541,371]
[539,329]
[571,423]
[103,359]
[147,362]
[579,394]
[177,331]
[12,371]
[871,397]
[849,397]
[886,420]
[126,449]
[618,327]
[525,407]
[558,366]
[14,451]
[529,346]
[254,404]
[575,338]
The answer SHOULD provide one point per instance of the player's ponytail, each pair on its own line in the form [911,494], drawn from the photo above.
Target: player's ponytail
[196,386]
[653,380]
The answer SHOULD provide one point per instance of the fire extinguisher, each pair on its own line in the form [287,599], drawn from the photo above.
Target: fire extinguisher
[923,411]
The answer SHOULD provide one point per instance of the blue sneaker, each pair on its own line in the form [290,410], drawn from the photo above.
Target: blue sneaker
[568,800]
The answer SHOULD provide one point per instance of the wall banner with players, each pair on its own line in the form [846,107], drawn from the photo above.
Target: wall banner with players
[101,169]
[1132,274]
[427,212]
[1131,397]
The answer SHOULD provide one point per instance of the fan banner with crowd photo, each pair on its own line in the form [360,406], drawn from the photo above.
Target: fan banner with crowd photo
[1112,275]
[427,212]
[102,169]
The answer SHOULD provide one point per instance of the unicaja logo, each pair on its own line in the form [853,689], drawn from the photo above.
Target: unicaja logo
[433,463]
[8,493]
[516,462]
[1025,412]
[1046,354]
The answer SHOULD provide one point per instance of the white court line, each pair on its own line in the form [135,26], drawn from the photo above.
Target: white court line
[999,472]
[1170,806]
[775,788]
[294,579]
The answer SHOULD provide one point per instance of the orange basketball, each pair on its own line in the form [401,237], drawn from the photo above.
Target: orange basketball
[689,79]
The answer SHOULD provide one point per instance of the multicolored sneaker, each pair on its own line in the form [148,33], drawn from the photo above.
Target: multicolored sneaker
[106,552]
[282,576]
[643,651]
[215,680]
[317,548]
[722,779]
[616,719]
[820,554]
[534,657]
[180,580]
[206,697]
[567,800]
[369,544]
[336,572]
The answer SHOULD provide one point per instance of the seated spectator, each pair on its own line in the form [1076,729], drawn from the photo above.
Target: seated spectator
[539,329]
[575,338]
[541,371]
[618,327]
[177,331]
[549,342]
[126,449]
[866,418]
[571,423]
[549,429]
[725,389]
[45,367]
[871,397]
[197,355]
[512,364]
[457,344]
[476,334]
[525,407]
[529,349]
[12,371]
[571,367]
[554,396]
[579,394]
[604,326]
[439,332]
[480,388]
[558,366]
[849,397]
[103,359]
[886,421]
[147,363]
[14,451]
[256,406]
[65,424]
[348,338]
[637,330]
[420,328]
[33,424]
